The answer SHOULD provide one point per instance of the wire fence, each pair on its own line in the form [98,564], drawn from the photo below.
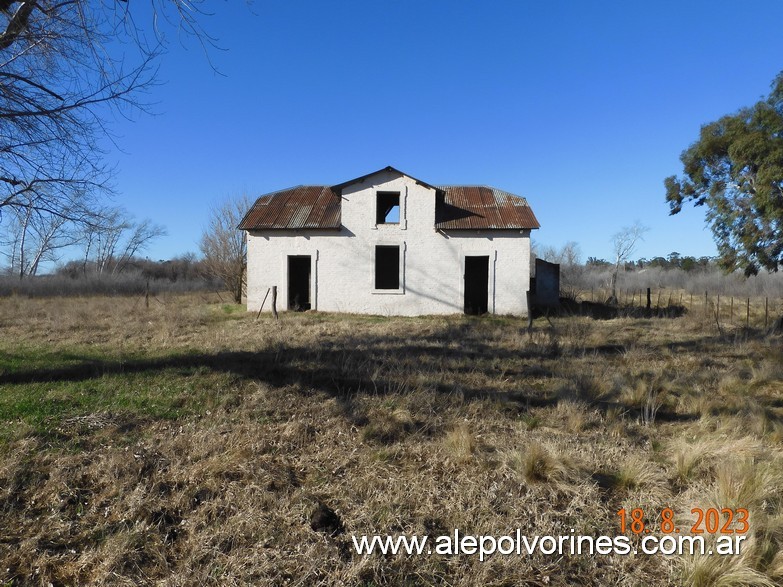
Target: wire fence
[723,310]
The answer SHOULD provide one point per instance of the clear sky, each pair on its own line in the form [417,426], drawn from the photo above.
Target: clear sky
[582,107]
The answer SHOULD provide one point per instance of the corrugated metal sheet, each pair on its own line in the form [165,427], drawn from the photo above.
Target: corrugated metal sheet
[482,208]
[457,208]
[310,206]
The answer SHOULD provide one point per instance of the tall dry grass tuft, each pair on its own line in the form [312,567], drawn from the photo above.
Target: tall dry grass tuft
[460,443]
[536,463]
[722,571]
[638,473]
[747,483]
[575,416]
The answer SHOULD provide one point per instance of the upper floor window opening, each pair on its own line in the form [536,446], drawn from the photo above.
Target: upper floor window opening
[388,208]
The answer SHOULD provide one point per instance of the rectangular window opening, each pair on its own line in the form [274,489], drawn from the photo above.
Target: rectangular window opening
[387,267]
[388,209]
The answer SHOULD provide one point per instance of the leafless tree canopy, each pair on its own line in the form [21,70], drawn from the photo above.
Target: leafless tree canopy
[110,247]
[64,67]
[224,247]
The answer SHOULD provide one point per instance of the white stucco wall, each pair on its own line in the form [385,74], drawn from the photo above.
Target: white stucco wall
[343,262]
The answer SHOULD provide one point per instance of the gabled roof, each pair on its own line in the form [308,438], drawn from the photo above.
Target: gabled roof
[345,184]
[456,208]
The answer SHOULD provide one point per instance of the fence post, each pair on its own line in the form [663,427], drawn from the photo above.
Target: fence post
[766,312]
[706,302]
[649,299]
[731,311]
[274,301]
[747,315]
[262,303]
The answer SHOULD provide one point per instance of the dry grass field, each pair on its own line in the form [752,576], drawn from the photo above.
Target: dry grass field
[189,444]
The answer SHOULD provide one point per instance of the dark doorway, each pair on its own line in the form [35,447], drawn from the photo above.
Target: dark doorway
[299,282]
[476,284]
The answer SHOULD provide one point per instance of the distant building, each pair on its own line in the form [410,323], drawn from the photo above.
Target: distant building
[387,243]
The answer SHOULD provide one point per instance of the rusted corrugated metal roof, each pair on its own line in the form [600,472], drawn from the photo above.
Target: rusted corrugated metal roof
[481,208]
[304,206]
[457,208]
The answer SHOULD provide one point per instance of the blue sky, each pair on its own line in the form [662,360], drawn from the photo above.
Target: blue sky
[582,107]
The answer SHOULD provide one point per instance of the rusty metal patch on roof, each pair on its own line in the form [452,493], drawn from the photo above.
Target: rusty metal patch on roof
[481,208]
[310,206]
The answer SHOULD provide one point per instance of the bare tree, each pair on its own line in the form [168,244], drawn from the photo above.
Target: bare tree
[32,236]
[112,241]
[623,245]
[66,67]
[224,246]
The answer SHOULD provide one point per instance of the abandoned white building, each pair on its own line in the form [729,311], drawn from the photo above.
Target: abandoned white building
[387,243]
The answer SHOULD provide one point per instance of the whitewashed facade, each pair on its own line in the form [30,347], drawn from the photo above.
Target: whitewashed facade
[350,266]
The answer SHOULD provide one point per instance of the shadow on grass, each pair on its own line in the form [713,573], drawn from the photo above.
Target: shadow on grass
[375,365]
[455,359]
[601,311]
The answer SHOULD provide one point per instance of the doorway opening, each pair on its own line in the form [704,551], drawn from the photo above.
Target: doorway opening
[299,282]
[476,284]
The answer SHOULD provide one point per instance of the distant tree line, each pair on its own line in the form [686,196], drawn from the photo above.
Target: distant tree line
[185,273]
[186,267]
[696,275]
[672,261]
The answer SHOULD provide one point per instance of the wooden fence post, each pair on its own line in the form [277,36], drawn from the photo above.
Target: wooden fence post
[147,294]
[747,315]
[274,301]
[649,299]
[766,312]
[262,303]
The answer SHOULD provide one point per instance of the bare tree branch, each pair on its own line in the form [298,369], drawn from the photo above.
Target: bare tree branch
[66,67]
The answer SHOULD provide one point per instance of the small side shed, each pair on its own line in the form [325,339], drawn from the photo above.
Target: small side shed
[545,284]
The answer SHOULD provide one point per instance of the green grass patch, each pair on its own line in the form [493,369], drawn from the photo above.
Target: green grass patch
[40,387]
[168,393]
